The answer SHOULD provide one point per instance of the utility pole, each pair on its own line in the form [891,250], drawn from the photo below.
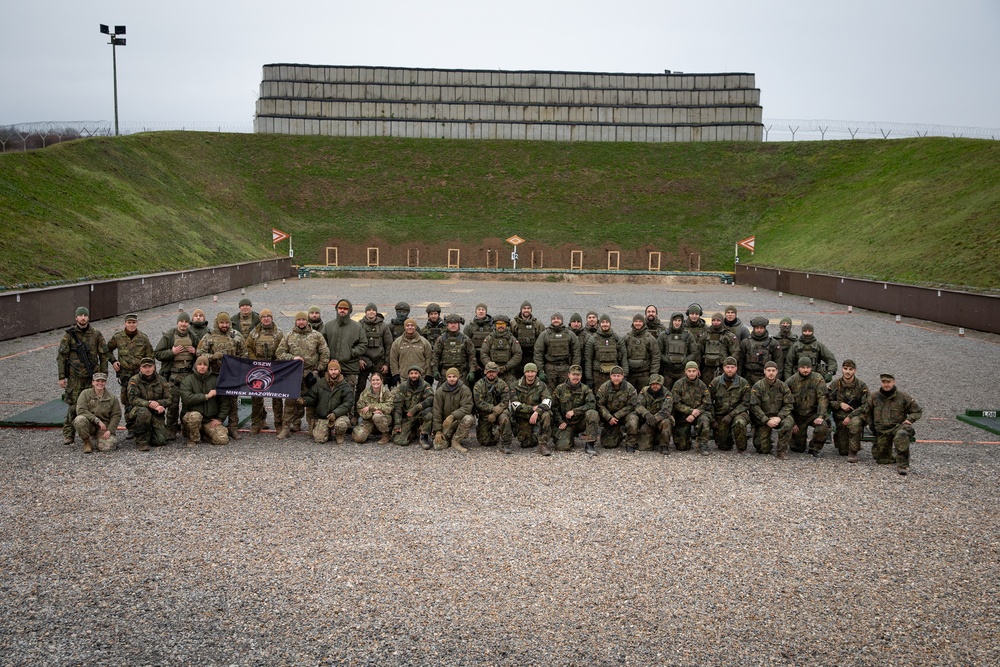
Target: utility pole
[115,42]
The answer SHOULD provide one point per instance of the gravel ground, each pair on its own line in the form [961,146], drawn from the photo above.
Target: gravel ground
[265,553]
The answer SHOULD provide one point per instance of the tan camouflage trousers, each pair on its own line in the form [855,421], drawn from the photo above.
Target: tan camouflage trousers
[366,427]
[87,430]
[196,427]
[324,429]
[74,387]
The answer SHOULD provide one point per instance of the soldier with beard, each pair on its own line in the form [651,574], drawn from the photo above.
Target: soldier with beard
[454,349]
[491,398]
[694,323]
[379,337]
[526,330]
[756,350]
[730,408]
[532,411]
[396,324]
[617,401]
[502,349]
[347,343]
[556,349]
[315,319]
[132,346]
[891,414]
[810,408]
[605,350]
[785,338]
[149,394]
[848,396]
[202,404]
[224,340]
[733,323]
[199,325]
[771,405]
[677,347]
[653,324]
[574,411]
[308,346]
[331,399]
[82,352]
[642,353]
[655,411]
[822,360]
[692,408]
[262,343]
[477,330]
[453,418]
[412,409]
[716,343]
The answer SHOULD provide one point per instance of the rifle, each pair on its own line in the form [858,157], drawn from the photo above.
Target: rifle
[81,351]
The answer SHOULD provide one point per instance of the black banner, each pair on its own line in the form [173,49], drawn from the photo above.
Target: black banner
[263,379]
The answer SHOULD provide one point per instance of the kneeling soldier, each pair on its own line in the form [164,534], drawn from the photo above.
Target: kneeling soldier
[491,397]
[616,403]
[452,412]
[97,415]
[809,398]
[148,399]
[771,409]
[891,412]
[332,398]
[693,405]
[411,410]
[731,403]
[575,409]
[374,411]
[656,407]
[531,408]
[848,396]
[204,415]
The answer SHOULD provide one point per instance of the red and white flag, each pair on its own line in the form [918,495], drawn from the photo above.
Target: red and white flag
[277,236]
[747,243]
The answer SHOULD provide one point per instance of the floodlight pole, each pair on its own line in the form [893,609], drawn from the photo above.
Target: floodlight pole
[115,42]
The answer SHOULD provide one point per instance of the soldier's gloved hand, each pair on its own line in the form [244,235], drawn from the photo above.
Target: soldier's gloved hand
[471,377]
[437,376]
[501,370]
[651,419]
[542,376]
[439,439]
[394,380]
[499,410]
[491,418]
[300,401]
[448,421]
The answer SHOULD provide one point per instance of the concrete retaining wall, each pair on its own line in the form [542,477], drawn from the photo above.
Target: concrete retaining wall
[482,104]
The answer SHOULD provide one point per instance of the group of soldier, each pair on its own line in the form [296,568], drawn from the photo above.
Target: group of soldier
[661,384]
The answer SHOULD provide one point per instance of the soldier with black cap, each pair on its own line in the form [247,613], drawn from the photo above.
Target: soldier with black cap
[656,415]
[574,411]
[642,353]
[526,330]
[653,324]
[734,324]
[785,338]
[454,349]
[677,347]
[131,345]
[823,362]
[315,318]
[176,353]
[97,415]
[412,409]
[82,352]
[347,343]
[396,323]
[848,396]
[617,400]
[247,319]
[379,337]
[891,413]
[810,408]
[149,395]
[715,344]
[435,326]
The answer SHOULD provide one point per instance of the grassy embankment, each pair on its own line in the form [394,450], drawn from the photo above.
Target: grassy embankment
[920,211]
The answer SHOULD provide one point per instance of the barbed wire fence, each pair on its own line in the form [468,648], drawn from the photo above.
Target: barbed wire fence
[31,136]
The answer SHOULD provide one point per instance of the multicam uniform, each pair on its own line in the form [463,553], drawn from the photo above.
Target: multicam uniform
[150,426]
[131,349]
[619,402]
[310,346]
[262,344]
[503,350]
[731,411]
[368,420]
[526,398]
[411,410]
[581,400]
[174,368]
[771,399]
[215,345]
[200,410]
[91,409]
[76,345]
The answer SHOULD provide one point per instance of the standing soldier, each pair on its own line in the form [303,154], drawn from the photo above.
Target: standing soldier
[262,344]
[574,411]
[379,338]
[532,411]
[771,407]
[653,324]
[556,349]
[617,401]
[478,329]
[176,353]
[642,353]
[247,319]
[412,409]
[315,318]
[397,323]
[199,326]
[202,405]
[149,394]
[785,338]
[655,411]
[410,349]
[221,341]
[731,408]
[82,352]
[331,399]
[822,359]
[605,350]
[502,349]
[453,350]
[453,418]
[576,326]
[491,398]
[756,350]
[97,415]
[347,343]
[692,407]
[891,413]
[848,396]
[590,325]
[308,346]
[810,408]
[132,346]
[526,330]
[733,323]
[435,326]
[374,411]
[694,323]
[716,343]
[677,347]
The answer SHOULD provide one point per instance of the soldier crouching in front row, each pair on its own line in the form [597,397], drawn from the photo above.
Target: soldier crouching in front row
[203,412]
[411,410]
[891,413]
[491,398]
[655,409]
[149,396]
[97,415]
[331,398]
[374,411]
[531,410]
[574,410]
[453,417]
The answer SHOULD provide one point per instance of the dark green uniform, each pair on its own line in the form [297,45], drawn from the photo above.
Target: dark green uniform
[581,400]
[755,351]
[730,411]
[604,351]
[810,402]
[556,349]
[530,399]
[715,344]
[691,395]
[453,350]
[886,414]
[823,360]
[130,350]
[492,404]
[619,403]
[677,347]
[503,350]
[847,438]
[767,400]
[642,354]
[150,426]
[411,410]
[656,415]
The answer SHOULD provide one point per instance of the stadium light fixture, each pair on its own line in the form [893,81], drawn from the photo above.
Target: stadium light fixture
[116,41]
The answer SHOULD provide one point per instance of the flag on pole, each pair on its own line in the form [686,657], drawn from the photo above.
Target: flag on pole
[277,236]
[747,243]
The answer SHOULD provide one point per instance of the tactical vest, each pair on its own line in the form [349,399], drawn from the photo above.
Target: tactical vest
[714,350]
[246,324]
[636,347]
[759,354]
[375,347]
[265,343]
[500,349]
[558,347]
[480,332]
[453,352]
[676,348]
[810,350]
[396,328]
[527,333]
[432,331]
[606,352]
[185,359]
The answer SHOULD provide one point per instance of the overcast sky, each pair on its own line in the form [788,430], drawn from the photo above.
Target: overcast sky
[902,61]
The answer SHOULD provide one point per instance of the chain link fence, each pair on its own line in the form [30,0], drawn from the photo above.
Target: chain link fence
[31,136]
[783,129]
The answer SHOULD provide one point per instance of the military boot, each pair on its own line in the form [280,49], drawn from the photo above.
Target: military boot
[629,445]
[234,432]
[544,449]
[665,450]
[456,444]
[425,441]
[87,447]
[782,455]
[254,429]
[283,433]
[588,446]
[142,446]
[703,449]
[508,448]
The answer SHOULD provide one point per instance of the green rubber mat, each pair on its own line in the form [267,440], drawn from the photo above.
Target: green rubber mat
[984,419]
[53,413]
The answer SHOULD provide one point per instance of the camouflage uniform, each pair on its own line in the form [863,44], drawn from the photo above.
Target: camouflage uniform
[244,324]
[755,351]
[581,400]
[331,403]
[379,339]
[310,346]
[809,399]
[77,374]
[477,330]
[556,349]
[174,368]
[785,338]
[771,400]
[731,411]
[433,330]
[677,347]
[368,421]
[526,331]
[412,410]
[715,344]
[526,398]
[262,344]
[886,414]
[642,354]
[492,404]
[131,349]
[847,439]
[655,412]
[453,418]
[503,350]
[604,351]
[199,410]
[91,409]
[824,362]
[619,402]
[215,345]
[690,395]
[453,350]
[150,427]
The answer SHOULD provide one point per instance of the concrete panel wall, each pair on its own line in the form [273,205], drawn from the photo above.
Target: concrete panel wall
[520,105]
